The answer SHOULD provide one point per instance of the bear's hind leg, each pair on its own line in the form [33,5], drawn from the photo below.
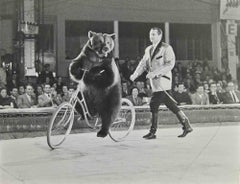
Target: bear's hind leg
[108,118]
[106,122]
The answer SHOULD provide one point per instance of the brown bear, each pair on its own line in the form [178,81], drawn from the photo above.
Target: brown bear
[97,73]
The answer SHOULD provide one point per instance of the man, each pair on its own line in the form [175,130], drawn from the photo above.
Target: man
[26,100]
[46,99]
[182,96]
[214,96]
[200,97]
[158,61]
[14,95]
[46,74]
[231,96]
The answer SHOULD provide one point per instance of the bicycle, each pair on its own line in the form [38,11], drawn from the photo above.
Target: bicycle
[62,120]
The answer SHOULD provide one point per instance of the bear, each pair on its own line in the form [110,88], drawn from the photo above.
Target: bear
[96,72]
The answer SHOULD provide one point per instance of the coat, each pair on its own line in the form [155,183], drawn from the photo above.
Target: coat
[161,63]
[227,97]
[200,100]
[44,101]
[24,102]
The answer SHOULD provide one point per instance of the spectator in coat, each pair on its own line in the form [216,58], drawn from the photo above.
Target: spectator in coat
[181,96]
[134,98]
[214,96]
[27,100]
[231,95]
[6,102]
[200,97]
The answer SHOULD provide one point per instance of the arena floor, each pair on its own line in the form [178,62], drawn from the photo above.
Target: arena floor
[210,154]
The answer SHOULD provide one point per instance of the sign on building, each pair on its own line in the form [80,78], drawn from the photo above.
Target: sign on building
[231,28]
[230,9]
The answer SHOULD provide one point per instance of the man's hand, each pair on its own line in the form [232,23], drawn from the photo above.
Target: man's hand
[151,75]
[133,77]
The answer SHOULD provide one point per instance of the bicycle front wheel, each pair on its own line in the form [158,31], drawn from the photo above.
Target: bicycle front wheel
[60,125]
[124,123]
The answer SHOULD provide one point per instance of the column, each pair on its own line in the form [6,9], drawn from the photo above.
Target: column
[61,65]
[116,31]
[216,44]
[29,43]
[231,31]
[0,37]
[166,32]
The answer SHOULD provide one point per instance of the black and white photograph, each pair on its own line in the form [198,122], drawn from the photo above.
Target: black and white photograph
[119,91]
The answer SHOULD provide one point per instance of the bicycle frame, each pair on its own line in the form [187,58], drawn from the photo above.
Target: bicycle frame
[74,100]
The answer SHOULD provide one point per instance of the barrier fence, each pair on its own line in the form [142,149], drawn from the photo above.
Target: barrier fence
[18,123]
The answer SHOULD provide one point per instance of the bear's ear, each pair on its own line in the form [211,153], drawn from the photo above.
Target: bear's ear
[91,34]
[113,35]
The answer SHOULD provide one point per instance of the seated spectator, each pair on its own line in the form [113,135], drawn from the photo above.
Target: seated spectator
[181,96]
[134,98]
[39,90]
[21,89]
[46,75]
[231,95]
[140,85]
[71,90]
[220,87]
[206,87]
[148,89]
[3,76]
[189,84]
[215,97]
[200,97]
[46,99]
[6,102]
[59,85]
[57,97]
[27,100]
[14,95]
[13,82]
[65,95]
[125,89]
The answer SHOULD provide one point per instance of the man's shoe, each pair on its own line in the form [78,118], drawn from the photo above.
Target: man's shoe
[147,135]
[150,136]
[186,131]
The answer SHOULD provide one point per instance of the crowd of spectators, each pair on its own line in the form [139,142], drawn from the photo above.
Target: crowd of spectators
[193,83]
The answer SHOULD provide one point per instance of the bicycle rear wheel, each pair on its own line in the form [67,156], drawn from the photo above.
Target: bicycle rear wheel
[60,125]
[124,123]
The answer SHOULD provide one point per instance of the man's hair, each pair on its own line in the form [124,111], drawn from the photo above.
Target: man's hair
[159,30]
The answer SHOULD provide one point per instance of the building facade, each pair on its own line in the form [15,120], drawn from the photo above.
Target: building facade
[192,27]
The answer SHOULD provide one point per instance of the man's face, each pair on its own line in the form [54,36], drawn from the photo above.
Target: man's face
[200,89]
[135,92]
[230,86]
[15,92]
[47,89]
[213,88]
[154,36]
[29,90]
[64,89]
[180,88]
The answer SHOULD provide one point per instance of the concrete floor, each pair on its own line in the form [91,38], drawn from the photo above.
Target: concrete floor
[210,154]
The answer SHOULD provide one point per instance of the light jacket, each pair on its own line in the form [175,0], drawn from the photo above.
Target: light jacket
[161,63]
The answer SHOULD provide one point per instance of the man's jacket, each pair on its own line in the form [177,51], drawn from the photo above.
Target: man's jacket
[161,62]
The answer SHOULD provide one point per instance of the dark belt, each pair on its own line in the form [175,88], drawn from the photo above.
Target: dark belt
[166,77]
